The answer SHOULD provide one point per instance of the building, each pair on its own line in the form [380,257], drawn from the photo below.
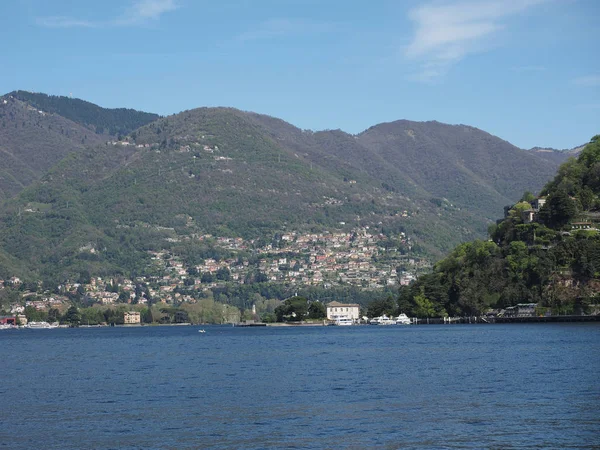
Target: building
[521,310]
[581,225]
[131,318]
[8,320]
[336,310]
[538,203]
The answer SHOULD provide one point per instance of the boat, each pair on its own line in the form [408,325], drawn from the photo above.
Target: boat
[382,320]
[343,322]
[201,331]
[39,325]
[403,319]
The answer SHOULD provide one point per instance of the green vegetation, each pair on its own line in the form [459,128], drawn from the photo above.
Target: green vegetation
[114,122]
[230,173]
[297,309]
[552,260]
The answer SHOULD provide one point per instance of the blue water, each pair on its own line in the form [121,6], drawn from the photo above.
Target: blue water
[452,386]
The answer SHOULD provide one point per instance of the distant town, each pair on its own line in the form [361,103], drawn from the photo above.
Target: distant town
[356,258]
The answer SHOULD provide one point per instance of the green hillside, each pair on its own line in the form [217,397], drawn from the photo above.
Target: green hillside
[549,255]
[32,141]
[231,173]
[113,122]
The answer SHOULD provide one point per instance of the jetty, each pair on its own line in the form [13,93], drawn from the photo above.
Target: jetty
[250,323]
[493,320]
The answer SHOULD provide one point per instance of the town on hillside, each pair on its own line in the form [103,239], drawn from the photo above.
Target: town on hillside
[357,258]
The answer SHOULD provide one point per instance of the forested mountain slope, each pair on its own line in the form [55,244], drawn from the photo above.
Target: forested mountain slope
[470,167]
[112,122]
[32,141]
[233,173]
[37,131]
[545,252]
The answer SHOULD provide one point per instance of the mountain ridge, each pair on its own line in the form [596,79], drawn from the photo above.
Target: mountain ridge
[232,172]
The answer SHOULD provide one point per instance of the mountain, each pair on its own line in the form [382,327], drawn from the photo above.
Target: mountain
[471,168]
[113,122]
[545,251]
[37,131]
[234,173]
[32,141]
[555,155]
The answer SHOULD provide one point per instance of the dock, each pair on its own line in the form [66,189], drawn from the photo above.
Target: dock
[492,320]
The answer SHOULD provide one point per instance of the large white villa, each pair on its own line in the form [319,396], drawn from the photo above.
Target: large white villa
[337,310]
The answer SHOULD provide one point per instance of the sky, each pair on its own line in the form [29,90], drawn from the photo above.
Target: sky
[526,71]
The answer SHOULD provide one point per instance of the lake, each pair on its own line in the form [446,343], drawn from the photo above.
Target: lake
[436,386]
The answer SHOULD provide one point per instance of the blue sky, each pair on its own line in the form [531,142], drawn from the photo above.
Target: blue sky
[527,71]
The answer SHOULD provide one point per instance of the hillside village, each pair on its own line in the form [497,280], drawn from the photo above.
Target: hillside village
[357,258]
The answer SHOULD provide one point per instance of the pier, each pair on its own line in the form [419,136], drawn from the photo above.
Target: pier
[491,320]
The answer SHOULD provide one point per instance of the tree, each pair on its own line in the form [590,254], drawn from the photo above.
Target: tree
[423,306]
[380,307]
[33,315]
[73,318]
[527,197]
[294,309]
[404,305]
[91,316]
[558,210]
[53,315]
[223,274]
[587,198]
[206,277]
[317,310]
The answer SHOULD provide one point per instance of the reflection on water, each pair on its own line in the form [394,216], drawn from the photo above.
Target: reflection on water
[453,386]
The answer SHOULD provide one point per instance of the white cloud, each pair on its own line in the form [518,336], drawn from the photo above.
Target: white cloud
[138,13]
[64,22]
[274,28]
[587,81]
[144,11]
[448,32]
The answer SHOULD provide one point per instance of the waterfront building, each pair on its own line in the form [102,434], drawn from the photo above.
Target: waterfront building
[337,310]
[131,318]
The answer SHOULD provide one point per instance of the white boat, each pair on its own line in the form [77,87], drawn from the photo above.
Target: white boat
[39,325]
[344,322]
[403,319]
[382,320]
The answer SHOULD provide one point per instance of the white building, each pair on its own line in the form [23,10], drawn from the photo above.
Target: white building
[131,317]
[336,310]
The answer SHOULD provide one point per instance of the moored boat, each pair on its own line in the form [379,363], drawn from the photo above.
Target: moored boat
[403,319]
[382,320]
[39,325]
[343,322]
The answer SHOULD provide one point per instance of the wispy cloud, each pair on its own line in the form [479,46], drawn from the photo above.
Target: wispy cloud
[64,22]
[275,28]
[448,32]
[528,69]
[144,11]
[587,81]
[139,12]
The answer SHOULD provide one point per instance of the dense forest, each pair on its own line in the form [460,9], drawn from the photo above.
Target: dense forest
[545,250]
[115,122]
